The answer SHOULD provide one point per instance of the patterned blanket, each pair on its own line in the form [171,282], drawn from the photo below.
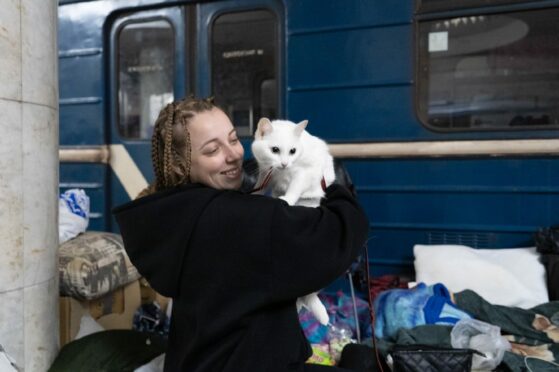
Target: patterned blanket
[533,333]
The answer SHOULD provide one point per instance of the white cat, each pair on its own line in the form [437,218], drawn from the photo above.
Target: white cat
[298,161]
[298,167]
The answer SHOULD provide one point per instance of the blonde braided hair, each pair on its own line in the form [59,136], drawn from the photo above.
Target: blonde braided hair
[171,151]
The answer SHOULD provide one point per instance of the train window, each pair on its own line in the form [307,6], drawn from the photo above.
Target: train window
[244,53]
[489,71]
[145,75]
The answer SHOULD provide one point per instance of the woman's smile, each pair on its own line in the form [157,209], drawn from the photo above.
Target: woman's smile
[232,173]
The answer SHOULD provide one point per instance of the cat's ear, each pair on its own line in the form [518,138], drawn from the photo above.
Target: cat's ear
[301,127]
[264,126]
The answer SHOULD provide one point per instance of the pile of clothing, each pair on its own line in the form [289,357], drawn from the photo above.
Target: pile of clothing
[495,302]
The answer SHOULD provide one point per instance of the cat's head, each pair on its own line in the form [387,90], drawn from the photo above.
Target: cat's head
[277,143]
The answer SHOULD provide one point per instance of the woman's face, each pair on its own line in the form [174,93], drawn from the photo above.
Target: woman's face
[217,153]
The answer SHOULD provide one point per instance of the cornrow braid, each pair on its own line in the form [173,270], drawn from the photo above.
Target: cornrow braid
[188,159]
[167,147]
[156,153]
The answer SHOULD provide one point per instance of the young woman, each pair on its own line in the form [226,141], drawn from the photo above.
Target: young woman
[234,263]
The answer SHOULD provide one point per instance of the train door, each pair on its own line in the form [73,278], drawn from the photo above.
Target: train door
[240,59]
[149,65]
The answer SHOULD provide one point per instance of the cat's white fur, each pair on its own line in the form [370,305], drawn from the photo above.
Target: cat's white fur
[296,177]
[298,162]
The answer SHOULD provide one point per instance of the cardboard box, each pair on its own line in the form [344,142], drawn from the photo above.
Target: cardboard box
[112,311]
[149,295]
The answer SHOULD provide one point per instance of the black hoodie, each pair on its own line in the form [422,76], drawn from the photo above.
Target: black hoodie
[235,264]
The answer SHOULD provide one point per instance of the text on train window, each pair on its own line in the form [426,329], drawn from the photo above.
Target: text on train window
[145,75]
[243,55]
[489,71]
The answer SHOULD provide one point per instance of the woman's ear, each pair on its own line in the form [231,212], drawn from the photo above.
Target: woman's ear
[264,126]
[301,127]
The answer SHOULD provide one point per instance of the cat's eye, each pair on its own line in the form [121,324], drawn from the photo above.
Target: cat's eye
[292,151]
[275,150]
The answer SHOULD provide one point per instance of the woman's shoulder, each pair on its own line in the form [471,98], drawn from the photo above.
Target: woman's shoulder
[237,205]
[246,198]
[172,194]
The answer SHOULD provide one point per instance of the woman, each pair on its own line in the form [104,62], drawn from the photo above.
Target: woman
[234,263]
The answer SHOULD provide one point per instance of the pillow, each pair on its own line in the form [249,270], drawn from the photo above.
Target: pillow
[94,264]
[509,277]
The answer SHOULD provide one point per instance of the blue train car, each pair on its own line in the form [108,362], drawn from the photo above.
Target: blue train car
[445,112]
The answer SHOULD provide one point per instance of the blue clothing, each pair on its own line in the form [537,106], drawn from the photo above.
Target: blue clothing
[408,308]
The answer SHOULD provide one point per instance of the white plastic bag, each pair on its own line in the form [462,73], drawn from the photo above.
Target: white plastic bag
[483,337]
[88,326]
[156,365]
[73,214]
[7,364]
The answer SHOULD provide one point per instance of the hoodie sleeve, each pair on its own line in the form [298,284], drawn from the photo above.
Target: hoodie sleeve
[156,230]
[311,247]
[155,249]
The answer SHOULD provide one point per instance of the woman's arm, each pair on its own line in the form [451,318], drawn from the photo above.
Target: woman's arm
[313,246]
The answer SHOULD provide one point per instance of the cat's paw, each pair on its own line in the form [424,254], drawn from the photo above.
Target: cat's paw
[287,199]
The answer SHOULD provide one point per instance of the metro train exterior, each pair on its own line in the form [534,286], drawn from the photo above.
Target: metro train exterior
[445,113]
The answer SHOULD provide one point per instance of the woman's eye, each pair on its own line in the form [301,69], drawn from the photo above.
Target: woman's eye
[212,151]
[275,150]
[234,140]
[292,151]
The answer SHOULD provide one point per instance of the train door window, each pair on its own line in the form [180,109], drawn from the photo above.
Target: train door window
[145,75]
[244,64]
[492,72]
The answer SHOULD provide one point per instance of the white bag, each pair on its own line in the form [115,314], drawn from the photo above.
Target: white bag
[483,337]
[73,216]
[7,364]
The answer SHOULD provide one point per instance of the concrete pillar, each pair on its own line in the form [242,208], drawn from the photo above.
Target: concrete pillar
[29,182]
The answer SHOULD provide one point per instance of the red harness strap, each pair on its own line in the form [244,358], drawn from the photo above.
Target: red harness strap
[265,182]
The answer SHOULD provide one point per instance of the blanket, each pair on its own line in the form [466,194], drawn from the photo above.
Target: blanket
[533,333]
[408,308]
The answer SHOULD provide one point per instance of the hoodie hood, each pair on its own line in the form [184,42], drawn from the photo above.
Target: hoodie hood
[156,231]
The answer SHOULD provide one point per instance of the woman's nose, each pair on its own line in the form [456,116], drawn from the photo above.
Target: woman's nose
[232,154]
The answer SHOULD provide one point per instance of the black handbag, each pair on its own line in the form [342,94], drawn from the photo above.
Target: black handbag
[423,358]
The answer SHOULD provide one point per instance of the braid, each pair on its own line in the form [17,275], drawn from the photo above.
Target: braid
[188,160]
[155,159]
[155,155]
[167,147]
